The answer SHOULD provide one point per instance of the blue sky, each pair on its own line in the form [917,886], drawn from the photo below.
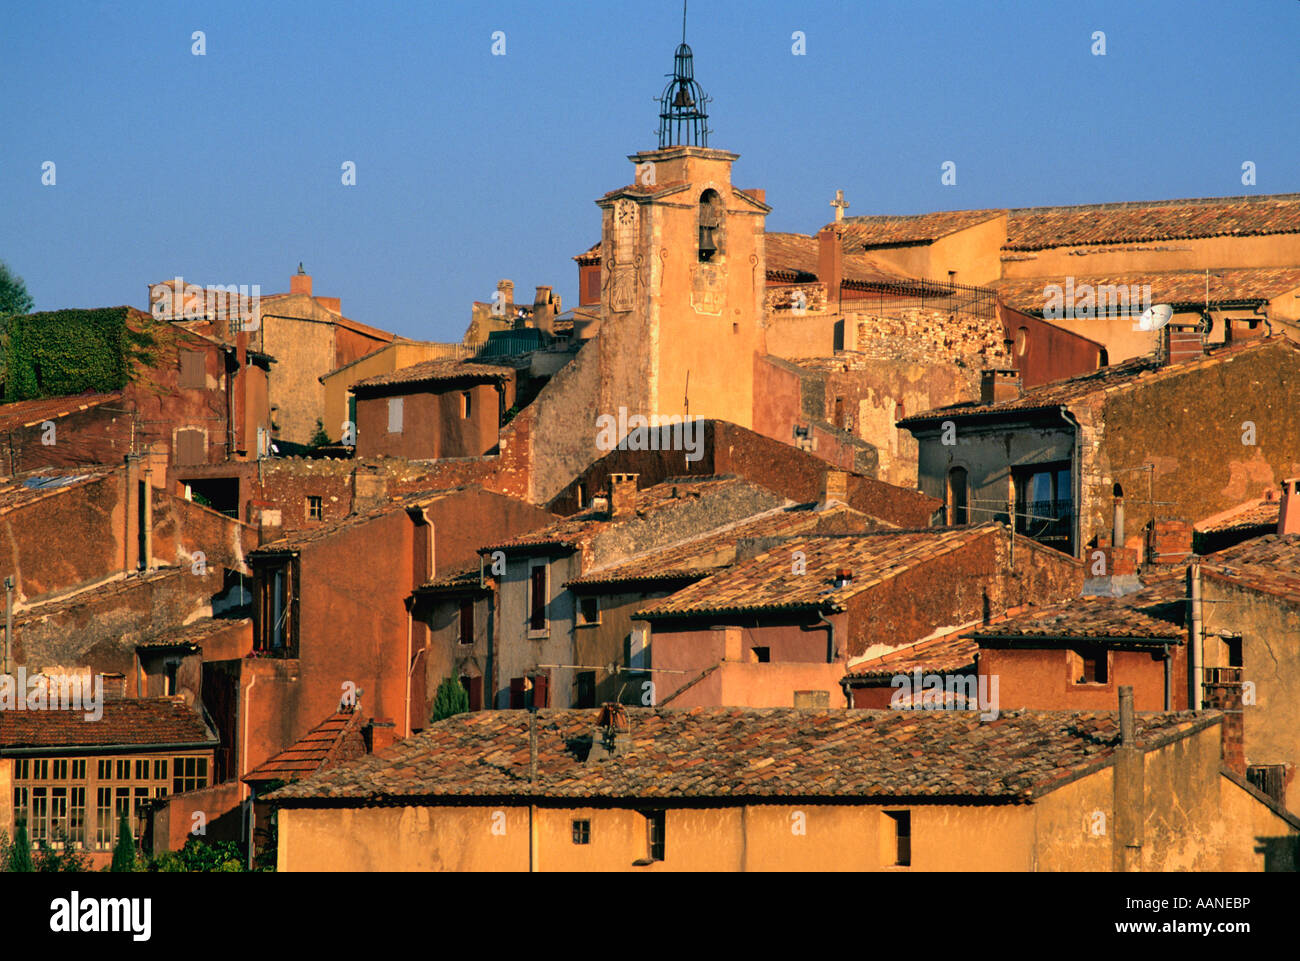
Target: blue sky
[225,168]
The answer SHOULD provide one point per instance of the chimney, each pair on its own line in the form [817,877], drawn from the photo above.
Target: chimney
[506,288]
[622,494]
[1117,524]
[843,578]
[543,310]
[300,283]
[1183,341]
[830,261]
[835,487]
[369,487]
[1129,791]
[759,194]
[1169,540]
[610,723]
[1223,692]
[1288,515]
[379,734]
[1112,572]
[997,386]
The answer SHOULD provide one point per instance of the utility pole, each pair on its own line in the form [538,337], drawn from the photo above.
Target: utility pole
[9,619]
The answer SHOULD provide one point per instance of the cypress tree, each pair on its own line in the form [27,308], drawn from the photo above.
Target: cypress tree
[124,849]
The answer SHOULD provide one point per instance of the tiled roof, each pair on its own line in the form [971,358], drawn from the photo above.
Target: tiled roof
[950,653]
[731,753]
[131,722]
[335,740]
[32,413]
[23,489]
[768,582]
[697,557]
[1085,618]
[883,230]
[578,529]
[296,540]
[1174,287]
[1262,512]
[1129,375]
[196,632]
[1270,564]
[458,581]
[1034,228]
[648,191]
[591,255]
[435,372]
[796,255]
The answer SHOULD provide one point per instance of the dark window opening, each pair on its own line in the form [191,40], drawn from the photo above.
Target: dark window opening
[1233,645]
[958,495]
[656,825]
[466,403]
[474,689]
[763,654]
[467,622]
[315,508]
[711,227]
[1269,778]
[585,695]
[1045,505]
[902,837]
[588,610]
[1092,666]
[170,669]
[276,627]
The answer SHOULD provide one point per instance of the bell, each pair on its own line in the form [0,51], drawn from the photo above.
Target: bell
[683,98]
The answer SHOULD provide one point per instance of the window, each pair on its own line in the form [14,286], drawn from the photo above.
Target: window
[466,403]
[467,622]
[1045,504]
[585,695]
[276,628]
[189,774]
[315,507]
[474,690]
[656,825]
[1022,341]
[958,495]
[1091,664]
[1233,646]
[901,821]
[762,655]
[395,415]
[192,373]
[1269,778]
[170,669]
[581,832]
[537,603]
[588,610]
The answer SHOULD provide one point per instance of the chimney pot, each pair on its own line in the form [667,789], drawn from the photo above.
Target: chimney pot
[1288,515]
[300,283]
[997,386]
[1126,716]
[835,487]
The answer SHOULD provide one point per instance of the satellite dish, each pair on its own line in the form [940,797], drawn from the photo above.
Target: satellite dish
[1155,317]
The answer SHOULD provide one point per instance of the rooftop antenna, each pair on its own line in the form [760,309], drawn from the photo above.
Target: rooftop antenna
[683,21]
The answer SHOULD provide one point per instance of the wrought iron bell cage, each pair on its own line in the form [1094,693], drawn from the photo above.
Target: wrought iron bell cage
[683,120]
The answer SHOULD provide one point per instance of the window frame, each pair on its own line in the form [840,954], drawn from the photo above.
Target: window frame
[538,613]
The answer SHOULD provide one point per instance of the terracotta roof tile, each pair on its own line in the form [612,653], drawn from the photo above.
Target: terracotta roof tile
[23,489]
[881,230]
[1085,618]
[768,582]
[437,371]
[136,723]
[741,752]
[1034,228]
[1129,375]
[578,529]
[950,653]
[1179,288]
[699,556]
[296,540]
[32,413]
[1270,564]
[1261,512]
[334,741]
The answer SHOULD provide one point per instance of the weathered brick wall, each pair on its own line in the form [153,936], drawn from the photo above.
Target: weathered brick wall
[1189,425]
[557,432]
[100,627]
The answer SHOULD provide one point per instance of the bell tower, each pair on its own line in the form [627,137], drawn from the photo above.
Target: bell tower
[683,272]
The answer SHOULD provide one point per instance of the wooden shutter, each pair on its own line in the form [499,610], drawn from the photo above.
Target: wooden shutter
[541,691]
[191,447]
[192,374]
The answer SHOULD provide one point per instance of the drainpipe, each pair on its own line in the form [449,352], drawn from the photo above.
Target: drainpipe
[410,669]
[1194,701]
[1169,679]
[1076,482]
[830,634]
[243,761]
[146,510]
[9,619]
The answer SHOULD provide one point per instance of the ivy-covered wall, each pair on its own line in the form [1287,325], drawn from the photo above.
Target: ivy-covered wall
[64,352]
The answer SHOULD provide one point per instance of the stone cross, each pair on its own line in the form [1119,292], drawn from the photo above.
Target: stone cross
[839,203]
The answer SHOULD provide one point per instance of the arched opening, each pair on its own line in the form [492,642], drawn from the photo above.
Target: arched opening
[712,227]
[958,494]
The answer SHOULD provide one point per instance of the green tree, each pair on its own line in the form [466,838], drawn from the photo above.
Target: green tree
[20,851]
[319,438]
[14,298]
[451,698]
[51,860]
[124,849]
